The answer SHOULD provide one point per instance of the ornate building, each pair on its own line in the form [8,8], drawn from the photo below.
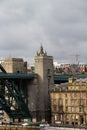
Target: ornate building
[69,102]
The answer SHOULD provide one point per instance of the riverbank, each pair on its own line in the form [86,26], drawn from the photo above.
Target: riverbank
[19,128]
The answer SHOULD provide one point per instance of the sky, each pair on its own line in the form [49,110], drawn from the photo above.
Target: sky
[59,25]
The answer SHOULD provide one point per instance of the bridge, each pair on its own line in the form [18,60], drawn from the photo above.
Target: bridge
[57,77]
[13,98]
[64,78]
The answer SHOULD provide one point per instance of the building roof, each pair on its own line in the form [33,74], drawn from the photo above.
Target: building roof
[60,87]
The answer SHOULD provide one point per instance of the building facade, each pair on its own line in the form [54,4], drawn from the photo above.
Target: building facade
[69,102]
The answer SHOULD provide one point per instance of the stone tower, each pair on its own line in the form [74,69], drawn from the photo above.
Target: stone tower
[44,71]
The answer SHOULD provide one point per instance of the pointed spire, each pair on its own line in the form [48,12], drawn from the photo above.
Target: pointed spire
[41,52]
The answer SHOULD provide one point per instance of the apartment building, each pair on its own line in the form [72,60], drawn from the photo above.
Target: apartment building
[69,102]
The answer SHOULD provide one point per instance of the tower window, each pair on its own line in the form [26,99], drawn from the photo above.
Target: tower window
[48,71]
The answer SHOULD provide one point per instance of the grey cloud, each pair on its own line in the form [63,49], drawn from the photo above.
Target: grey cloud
[60,25]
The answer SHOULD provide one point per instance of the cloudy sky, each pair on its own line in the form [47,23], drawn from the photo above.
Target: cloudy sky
[59,25]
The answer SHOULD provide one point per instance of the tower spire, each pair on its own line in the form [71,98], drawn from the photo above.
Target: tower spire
[41,52]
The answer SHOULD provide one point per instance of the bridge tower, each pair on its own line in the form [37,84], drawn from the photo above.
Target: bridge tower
[44,71]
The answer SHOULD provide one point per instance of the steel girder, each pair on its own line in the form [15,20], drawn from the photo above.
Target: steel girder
[12,100]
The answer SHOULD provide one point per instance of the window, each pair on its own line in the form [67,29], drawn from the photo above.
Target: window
[80,94]
[73,102]
[60,117]
[48,71]
[66,95]
[67,118]
[73,109]
[54,101]
[60,102]
[55,117]
[80,109]
[74,94]
[55,108]
[81,102]
[76,118]
[66,101]
[66,109]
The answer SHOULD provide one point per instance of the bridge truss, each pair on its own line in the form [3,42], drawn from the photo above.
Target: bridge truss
[12,100]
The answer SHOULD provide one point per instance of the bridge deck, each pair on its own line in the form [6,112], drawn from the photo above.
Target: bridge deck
[16,76]
[31,76]
[64,78]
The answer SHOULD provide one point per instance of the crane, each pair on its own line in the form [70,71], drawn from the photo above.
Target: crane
[77,58]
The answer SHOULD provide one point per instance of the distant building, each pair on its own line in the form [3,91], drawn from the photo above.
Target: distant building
[14,65]
[70,69]
[69,102]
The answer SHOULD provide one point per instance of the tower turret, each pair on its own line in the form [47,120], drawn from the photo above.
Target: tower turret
[44,70]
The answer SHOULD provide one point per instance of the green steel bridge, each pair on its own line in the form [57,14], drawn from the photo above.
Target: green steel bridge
[13,94]
[64,78]
[13,91]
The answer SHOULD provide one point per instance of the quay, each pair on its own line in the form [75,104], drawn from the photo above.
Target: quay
[15,127]
[19,127]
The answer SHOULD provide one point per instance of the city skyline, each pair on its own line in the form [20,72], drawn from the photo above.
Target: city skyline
[59,25]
